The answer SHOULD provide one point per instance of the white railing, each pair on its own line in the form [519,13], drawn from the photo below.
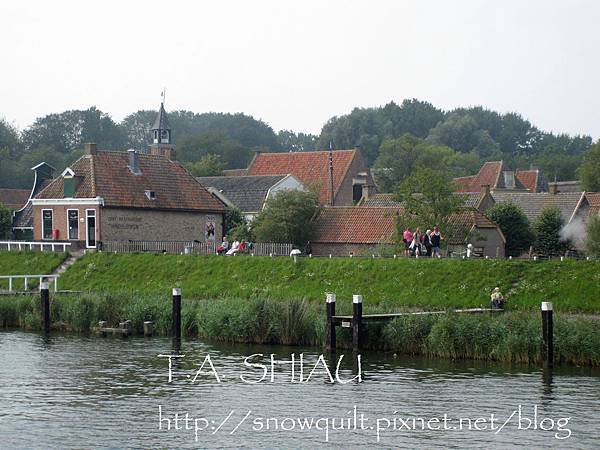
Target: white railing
[30,245]
[26,278]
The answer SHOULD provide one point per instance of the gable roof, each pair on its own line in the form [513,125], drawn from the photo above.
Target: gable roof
[533,203]
[248,193]
[491,173]
[593,199]
[14,199]
[106,175]
[310,168]
[376,225]
[355,225]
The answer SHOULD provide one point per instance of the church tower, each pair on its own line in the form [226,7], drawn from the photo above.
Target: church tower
[161,135]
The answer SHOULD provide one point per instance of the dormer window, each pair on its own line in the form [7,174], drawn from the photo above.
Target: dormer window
[156,136]
[69,183]
[151,195]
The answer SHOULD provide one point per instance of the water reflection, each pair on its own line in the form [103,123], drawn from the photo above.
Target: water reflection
[67,391]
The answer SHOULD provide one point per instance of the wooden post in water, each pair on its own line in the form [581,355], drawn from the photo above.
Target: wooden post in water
[356,321]
[45,300]
[176,317]
[330,343]
[148,328]
[547,334]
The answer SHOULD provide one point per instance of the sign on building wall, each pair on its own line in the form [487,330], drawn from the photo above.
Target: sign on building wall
[209,233]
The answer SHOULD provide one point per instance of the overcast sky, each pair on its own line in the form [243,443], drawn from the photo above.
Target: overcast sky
[295,64]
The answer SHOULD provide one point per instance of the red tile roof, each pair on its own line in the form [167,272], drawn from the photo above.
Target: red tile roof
[356,225]
[106,175]
[529,179]
[593,199]
[491,174]
[488,174]
[311,168]
[374,225]
[14,199]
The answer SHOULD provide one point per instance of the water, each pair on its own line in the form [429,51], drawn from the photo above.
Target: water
[70,391]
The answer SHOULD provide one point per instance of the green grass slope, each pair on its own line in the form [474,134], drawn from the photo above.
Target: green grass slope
[28,263]
[386,284]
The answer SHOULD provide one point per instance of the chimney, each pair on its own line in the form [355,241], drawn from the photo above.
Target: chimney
[509,179]
[134,164]
[553,188]
[485,190]
[91,148]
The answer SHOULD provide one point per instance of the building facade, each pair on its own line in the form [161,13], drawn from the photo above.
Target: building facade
[123,196]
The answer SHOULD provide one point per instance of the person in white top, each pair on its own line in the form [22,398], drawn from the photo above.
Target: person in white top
[235,247]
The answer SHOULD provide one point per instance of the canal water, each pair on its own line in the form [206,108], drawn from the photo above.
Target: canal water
[69,391]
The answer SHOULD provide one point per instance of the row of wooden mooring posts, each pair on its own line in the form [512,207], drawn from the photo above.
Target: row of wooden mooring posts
[356,320]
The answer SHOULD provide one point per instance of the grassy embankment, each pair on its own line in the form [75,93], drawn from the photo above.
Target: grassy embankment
[386,284]
[264,300]
[28,263]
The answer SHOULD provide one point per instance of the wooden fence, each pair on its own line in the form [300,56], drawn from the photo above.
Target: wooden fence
[202,248]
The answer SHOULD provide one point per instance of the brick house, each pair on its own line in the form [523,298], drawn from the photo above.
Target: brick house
[367,230]
[120,196]
[351,175]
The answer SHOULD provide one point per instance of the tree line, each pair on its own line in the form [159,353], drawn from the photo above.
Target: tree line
[394,139]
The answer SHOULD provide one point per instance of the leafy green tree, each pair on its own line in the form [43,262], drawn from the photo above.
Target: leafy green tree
[593,236]
[462,133]
[5,222]
[136,128]
[68,130]
[207,166]
[398,158]
[589,171]
[231,152]
[514,225]
[233,218]
[428,199]
[288,217]
[547,233]
[297,142]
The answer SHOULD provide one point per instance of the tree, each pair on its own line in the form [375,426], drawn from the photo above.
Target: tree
[427,200]
[5,222]
[462,133]
[297,142]
[287,218]
[68,130]
[593,236]
[514,225]
[398,158]
[207,166]
[589,171]
[233,218]
[547,233]
[231,152]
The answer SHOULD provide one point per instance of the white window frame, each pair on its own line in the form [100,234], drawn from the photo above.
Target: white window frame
[68,229]
[87,229]
[51,227]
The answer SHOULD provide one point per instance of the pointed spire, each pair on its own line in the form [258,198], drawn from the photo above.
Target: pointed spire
[162,121]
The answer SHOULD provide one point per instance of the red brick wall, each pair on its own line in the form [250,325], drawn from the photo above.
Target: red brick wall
[59,221]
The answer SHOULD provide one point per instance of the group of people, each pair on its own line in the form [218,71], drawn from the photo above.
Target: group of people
[418,243]
[237,246]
